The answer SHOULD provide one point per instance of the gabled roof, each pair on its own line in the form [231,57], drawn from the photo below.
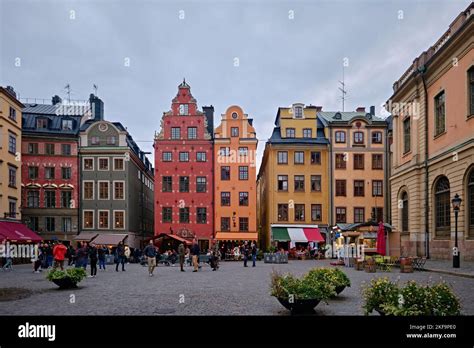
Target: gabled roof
[32,112]
[348,116]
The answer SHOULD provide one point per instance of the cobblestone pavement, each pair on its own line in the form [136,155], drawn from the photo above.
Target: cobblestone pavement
[466,267]
[232,290]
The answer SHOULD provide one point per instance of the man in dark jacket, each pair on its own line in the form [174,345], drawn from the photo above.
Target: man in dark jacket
[101,250]
[93,259]
[120,256]
[150,253]
[195,251]
[254,254]
[245,253]
[81,255]
[181,252]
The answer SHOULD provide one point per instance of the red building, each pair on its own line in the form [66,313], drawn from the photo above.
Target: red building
[184,170]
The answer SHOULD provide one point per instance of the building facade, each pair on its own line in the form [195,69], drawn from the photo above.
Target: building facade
[235,191]
[117,183]
[184,170]
[10,154]
[50,170]
[433,146]
[293,180]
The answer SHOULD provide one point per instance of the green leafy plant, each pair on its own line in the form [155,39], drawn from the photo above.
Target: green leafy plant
[332,275]
[75,274]
[380,291]
[271,249]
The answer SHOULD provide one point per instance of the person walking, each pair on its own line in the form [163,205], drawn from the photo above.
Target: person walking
[59,253]
[81,255]
[93,259]
[70,255]
[245,253]
[101,250]
[120,256]
[195,252]
[150,254]
[254,253]
[181,252]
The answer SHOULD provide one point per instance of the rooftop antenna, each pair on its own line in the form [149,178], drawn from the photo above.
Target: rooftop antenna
[68,92]
[95,88]
[343,89]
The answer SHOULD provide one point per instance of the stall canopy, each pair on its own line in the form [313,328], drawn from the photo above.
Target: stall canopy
[301,234]
[236,236]
[110,238]
[17,232]
[86,236]
[173,236]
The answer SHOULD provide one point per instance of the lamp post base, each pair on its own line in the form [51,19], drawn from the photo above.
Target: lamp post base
[456,261]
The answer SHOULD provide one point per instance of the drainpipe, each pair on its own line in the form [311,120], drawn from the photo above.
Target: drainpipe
[79,187]
[422,71]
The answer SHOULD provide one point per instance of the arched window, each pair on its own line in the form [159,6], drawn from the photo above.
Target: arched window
[470,202]
[404,207]
[442,207]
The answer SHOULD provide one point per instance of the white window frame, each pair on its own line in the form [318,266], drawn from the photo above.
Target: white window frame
[124,219]
[98,190]
[83,219]
[84,190]
[98,164]
[113,164]
[98,219]
[83,165]
[113,188]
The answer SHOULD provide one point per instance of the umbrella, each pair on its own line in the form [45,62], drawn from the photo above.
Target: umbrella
[381,240]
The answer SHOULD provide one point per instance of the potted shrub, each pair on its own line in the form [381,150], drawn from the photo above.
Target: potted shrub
[379,292]
[333,276]
[300,295]
[66,279]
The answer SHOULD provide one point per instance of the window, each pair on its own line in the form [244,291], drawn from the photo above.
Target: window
[299,212]
[359,215]
[33,148]
[12,114]
[66,149]
[183,109]
[33,173]
[200,156]
[340,161]
[184,215]
[175,133]
[234,131]
[12,208]
[307,133]
[442,207]
[88,164]
[243,224]
[167,156]
[282,157]
[95,141]
[88,220]
[470,203]
[50,224]
[192,132]
[315,183]
[103,219]
[358,161]
[11,177]
[119,219]
[225,224]
[66,199]
[103,164]
[282,212]
[184,184]
[111,140]
[290,132]
[299,157]
[406,135]
[32,199]
[377,214]
[119,164]
[225,173]
[224,151]
[88,190]
[201,184]
[119,190]
[49,149]
[66,173]
[167,184]
[34,223]
[243,151]
[298,111]
[49,199]
[225,199]
[358,138]
[201,214]
[67,124]
[103,190]
[42,123]
[11,143]
[470,73]
[341,215]
[167,214]
[243,172]
[377,188]
[184,156]
[243,198]
[440,117]
[376,137]
[377,161]
[299,183]
[340,137]
[316,212]
[282,182]
[315,157]
[49,173]
[404,212]
[358,188]
[340,187]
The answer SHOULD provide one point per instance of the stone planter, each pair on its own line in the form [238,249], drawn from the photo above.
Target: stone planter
[406,265]
[65,283]
[275,258]
[339,289]
[370,266]
[300,306]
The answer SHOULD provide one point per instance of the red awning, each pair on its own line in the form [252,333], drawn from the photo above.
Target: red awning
[313,235]
[178,238]
[17,232]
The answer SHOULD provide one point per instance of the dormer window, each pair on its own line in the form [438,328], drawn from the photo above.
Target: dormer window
[298,111]
[183,109]
[67,125]
[42,123]
[290,132]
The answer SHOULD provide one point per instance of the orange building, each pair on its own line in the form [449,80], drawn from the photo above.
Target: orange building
[235,146]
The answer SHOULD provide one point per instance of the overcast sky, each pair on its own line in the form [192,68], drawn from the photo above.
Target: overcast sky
[259,55]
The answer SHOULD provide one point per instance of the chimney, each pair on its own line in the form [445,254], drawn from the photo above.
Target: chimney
[97,107]
[250,121]
[360,109]
[56,100]
[11,90]
[319,108]
[209,112]
[372,110]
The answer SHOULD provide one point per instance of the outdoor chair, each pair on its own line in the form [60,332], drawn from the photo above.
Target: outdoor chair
[419,263]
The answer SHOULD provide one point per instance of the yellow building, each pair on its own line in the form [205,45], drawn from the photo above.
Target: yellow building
[10,154]
[293,180]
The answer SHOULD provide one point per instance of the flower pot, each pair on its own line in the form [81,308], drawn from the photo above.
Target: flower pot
[65,283]
[299,306]
[339,289]
[381,312]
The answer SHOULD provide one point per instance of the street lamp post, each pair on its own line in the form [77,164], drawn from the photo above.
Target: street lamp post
[456,255]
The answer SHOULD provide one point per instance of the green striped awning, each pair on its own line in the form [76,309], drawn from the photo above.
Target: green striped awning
[280,234]
[296,233]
